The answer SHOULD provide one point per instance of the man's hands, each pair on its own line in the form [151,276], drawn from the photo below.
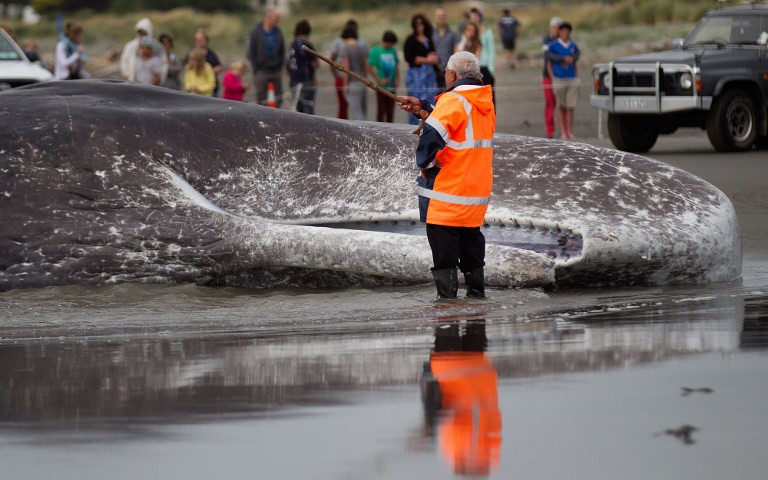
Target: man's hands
[410,104]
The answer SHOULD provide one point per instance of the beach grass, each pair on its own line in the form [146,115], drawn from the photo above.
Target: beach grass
[599,26]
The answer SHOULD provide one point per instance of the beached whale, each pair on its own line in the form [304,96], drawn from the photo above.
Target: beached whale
[107,181]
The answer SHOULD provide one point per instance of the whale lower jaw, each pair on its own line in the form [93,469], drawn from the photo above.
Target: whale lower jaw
[392,255]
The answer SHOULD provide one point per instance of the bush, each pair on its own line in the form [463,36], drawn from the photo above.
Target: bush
[165,5]
[355,5]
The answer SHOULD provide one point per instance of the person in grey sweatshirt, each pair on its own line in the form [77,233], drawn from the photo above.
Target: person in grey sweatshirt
[266,52]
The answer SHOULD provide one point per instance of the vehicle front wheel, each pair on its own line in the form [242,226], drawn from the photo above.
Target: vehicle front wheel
[633,133]
[732,122]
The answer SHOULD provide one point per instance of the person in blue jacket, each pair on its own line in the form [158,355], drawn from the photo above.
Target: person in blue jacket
[565,77]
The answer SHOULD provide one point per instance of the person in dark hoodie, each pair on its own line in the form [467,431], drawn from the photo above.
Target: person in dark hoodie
[454,186]
[266,52]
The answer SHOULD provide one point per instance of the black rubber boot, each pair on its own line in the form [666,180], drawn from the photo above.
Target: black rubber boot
[447,282]
[475,283]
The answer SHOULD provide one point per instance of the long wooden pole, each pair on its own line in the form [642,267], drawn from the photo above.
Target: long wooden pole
[368,83]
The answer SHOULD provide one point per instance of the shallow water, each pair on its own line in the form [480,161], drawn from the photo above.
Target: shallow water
[187,382]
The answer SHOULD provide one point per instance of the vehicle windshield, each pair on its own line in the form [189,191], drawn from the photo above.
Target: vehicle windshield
[7,50]
[730,29]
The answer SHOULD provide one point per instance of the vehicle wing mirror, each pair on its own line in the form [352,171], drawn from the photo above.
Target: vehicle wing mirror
[763,39]
[677,43]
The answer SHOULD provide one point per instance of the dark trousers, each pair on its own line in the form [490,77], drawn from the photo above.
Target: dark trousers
[385,110]
[261,81]
[489,79]
[462,247]
[306,102]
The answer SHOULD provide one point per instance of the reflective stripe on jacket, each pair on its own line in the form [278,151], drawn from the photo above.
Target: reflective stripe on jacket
[465,120]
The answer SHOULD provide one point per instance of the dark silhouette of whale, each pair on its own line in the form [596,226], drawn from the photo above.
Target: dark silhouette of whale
[107,182]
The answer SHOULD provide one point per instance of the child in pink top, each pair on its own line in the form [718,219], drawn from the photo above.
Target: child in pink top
[234,87]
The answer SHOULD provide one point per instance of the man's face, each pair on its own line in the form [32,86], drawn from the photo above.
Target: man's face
[474,18]
[272,19]
[200,41]
[141,33]
[440,16]
[565,34]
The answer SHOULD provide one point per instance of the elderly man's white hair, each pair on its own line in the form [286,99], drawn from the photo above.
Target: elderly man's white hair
[465,65]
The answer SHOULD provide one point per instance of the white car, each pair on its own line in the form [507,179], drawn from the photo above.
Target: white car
[15,69]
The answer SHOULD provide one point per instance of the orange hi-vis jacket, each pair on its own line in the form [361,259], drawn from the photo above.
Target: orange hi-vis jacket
[465,119]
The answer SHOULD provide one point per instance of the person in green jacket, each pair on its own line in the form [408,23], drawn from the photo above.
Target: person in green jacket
[383,67]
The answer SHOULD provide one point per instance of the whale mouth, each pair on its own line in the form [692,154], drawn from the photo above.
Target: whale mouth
[557,244]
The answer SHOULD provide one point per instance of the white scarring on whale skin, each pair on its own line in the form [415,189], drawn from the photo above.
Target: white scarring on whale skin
[88,197]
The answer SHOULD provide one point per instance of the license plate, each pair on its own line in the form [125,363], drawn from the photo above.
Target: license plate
[635,103]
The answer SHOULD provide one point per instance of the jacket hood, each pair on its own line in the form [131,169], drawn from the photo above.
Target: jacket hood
[144,24]
[481,97]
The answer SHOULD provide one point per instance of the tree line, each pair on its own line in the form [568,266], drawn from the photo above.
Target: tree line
[121,6]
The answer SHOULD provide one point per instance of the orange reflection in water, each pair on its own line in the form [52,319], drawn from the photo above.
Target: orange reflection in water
[462,399]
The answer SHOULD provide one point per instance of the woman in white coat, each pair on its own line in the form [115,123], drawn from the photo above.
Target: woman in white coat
[70,56]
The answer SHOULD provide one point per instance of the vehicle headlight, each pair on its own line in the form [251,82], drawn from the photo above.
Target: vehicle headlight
[686,81]
[607,80]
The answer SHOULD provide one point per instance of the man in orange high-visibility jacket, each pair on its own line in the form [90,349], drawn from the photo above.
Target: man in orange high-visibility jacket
[454,186]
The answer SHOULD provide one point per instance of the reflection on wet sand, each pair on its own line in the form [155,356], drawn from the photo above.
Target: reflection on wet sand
[461,401]
[755,331]
[55,383]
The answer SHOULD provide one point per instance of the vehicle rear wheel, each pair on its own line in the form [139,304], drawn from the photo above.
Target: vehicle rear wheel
[732,122]
[632,133]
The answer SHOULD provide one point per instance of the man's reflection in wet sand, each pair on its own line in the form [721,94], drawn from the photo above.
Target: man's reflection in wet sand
[459,391]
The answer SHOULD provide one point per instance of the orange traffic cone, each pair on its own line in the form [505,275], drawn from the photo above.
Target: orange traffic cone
[271,101]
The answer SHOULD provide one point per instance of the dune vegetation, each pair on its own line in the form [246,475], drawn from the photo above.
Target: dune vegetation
[599,25]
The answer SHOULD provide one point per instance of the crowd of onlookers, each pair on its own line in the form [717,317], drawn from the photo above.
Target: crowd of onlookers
[425,50]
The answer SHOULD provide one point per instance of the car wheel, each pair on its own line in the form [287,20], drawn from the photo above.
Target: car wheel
[636,134]
[732,122]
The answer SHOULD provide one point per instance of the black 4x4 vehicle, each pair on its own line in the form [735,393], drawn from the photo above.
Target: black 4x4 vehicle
[716,79]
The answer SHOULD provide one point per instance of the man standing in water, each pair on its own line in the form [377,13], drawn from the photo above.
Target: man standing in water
[454,186]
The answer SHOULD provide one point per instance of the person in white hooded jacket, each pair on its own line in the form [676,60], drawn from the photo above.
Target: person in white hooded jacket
[131,52]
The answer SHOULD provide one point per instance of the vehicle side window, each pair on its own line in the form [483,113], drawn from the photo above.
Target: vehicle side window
[745,29]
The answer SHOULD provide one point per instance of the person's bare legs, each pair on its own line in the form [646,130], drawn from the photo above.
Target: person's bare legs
[561,123]
[568,121]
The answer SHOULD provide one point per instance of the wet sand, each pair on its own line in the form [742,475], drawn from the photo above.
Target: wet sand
[193,382]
